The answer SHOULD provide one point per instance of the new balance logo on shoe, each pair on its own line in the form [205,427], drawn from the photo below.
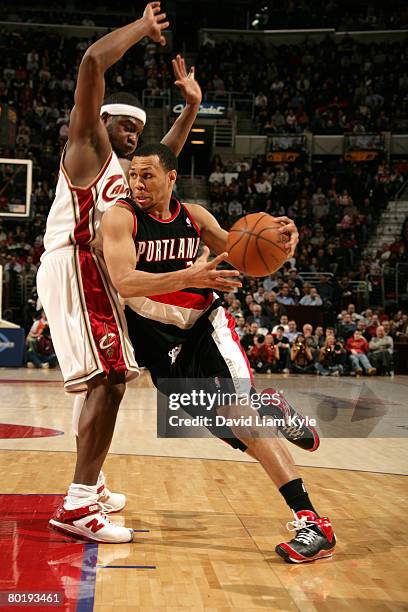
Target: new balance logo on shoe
[94,526]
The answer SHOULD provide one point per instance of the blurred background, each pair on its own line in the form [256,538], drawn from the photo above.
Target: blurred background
[304,114]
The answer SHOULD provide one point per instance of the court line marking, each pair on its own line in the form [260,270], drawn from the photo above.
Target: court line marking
[316,467]
[126,566]
[86,594]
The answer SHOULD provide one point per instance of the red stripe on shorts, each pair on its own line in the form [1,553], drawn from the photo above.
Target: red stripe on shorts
[235,337]
[103,323]
[86,202]
[184,299]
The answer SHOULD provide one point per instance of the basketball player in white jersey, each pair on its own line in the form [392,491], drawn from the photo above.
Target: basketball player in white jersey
[87,325]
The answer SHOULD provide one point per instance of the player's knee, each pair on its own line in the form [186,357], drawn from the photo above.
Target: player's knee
[235,443]
[116,393]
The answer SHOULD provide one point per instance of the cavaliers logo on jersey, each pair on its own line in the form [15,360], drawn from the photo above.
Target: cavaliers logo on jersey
[114,187]
[107,342]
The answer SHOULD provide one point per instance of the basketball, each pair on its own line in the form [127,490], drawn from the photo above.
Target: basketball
[255,245]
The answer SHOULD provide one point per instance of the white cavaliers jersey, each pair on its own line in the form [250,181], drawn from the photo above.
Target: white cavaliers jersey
[75,215]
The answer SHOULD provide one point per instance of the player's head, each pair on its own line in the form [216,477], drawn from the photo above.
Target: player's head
[152,174]
[124,119]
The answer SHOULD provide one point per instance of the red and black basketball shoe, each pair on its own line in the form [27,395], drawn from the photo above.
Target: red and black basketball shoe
[296,428]
[314,538]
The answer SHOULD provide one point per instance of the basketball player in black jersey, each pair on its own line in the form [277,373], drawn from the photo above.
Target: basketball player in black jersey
[179,328]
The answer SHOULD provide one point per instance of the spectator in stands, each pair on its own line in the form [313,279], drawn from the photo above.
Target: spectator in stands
[235,307]
[371,329]
[345,291]
[241,327]
[263,185]
[381,349]
[217,177]
[259,295]
[264,356]
[292,333]
[310,339]
[321,336]
[283,297]
[357,346]
[313,299]
[283,345]
[248,339]
[301,356]
[284,323]
[273,310]
[295,278]
[36,329]
[40,351]
[401,325]
[346,327]
[367,315]
[332,358]
[294,291]
[257,317]
[351,309]
[325,289]
[362,327]
[388,328]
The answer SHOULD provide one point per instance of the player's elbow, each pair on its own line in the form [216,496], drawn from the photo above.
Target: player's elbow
[123,290]
[121,286]
[124,287]
[92,61]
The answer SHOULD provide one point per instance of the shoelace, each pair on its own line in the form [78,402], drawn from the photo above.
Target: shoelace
[294,431]
[305,534]
[104,516]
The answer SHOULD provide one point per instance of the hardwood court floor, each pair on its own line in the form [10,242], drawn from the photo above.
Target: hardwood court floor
[211,518]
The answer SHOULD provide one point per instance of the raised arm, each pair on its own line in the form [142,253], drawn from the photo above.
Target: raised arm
[85,124]
[100,56]
[120,256]
[191,92]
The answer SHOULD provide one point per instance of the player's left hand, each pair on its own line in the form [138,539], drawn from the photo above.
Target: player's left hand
[289,227]
[190,89]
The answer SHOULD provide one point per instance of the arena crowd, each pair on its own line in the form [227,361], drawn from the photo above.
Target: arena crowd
[336,205]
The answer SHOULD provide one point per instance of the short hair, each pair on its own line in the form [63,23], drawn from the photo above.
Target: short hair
[166,156]
[122,97]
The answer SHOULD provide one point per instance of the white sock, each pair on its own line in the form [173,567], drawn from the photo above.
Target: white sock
[101,479]
[80,495]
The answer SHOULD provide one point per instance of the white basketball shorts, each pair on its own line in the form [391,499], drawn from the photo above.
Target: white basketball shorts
[87,323]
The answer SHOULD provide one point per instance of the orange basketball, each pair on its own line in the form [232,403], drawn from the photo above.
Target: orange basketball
[255,245]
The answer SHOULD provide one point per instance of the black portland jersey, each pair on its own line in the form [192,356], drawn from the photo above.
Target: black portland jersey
[168,245]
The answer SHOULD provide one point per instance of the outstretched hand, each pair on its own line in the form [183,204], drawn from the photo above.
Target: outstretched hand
[288,227]
[204,274]
[154,21]
[185,81]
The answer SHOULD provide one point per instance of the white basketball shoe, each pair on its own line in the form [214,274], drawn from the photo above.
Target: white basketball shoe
[110,502]
[91,523]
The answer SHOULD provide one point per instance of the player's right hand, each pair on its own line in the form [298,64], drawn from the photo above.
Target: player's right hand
[154,21]
[204,274]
